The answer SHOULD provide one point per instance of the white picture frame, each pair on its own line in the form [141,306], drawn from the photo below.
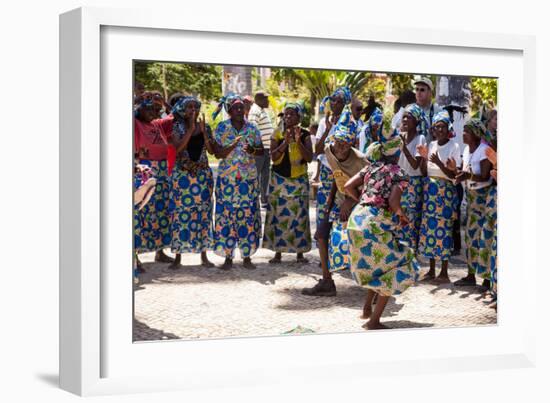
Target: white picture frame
[97,357]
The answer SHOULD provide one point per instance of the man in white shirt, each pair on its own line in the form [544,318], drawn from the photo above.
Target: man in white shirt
[259,116]
[423,89]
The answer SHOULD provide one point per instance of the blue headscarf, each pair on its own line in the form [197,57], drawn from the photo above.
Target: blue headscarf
[179,109]
[416,112]
[343,130]
[443,116]
[376,118]
[180,106]
[343,92]
[145,103]
[227,101]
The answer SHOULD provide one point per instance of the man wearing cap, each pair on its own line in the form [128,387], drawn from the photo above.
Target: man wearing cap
[423,89]
[259,116]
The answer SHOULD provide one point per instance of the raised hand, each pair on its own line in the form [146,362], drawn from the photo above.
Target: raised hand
[451,164]
[297,134]
[491,156]
[404,140]
[422,150]
[288,135]
[328,122]
[202,124]
[193,124]
[249,149]
[236,141]
[460,177]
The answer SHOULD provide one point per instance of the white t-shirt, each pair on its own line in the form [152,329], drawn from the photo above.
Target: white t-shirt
[404,162]
[472,163]
[320,131]
[450,150]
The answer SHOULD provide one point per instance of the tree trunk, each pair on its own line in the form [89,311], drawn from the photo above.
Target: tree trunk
[164,89]
[455,90]
[237,79]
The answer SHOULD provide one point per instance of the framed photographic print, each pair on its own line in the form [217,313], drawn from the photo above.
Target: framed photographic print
[185,264]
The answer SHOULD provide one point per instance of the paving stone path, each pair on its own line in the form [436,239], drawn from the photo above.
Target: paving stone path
[194,302]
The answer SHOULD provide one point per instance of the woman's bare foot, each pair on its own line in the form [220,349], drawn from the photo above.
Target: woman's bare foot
[139,266]
[247,264]
[207,263]
[276,259]
[162,257]
[301,259]
[429,276]
[370,325]
[442,280]
[227,264]
[204,261]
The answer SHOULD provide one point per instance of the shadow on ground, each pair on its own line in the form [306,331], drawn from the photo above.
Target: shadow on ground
[147,333]
[265,272]
[404,324]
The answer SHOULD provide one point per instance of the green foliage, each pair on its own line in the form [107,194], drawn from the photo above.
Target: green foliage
[401,83]
[375,86]
[197,79]
[484,92]
[294,85]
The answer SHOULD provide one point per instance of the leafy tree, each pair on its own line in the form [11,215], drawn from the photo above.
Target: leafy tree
[484,92]
[401,83]
[198,79]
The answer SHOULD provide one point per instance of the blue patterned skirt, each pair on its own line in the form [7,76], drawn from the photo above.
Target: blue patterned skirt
[490,237]
[237,217]
[411,203]
[480,230]
[152,223]
[439,213]
[379,260]
[339,257]
[191,210]
[323,193]
[287,226]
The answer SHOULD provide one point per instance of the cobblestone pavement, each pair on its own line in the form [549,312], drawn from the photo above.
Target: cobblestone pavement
[196,302]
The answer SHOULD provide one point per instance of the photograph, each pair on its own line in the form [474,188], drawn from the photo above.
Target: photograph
[276,201]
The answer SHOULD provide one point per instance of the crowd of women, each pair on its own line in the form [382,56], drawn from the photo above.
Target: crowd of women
[386,196]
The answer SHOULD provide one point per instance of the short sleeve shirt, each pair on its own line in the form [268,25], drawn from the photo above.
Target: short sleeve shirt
[472,163]
[404,162]
[449,150]
[238,162]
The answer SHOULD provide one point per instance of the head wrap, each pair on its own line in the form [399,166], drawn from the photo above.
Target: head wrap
[443,116]
[296,107]
[227,101]
[343,130]
[181,104]
[178,109]
[476,127]
[376,118]
[388,145]
[416,112]
[144,103]
[343,92]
